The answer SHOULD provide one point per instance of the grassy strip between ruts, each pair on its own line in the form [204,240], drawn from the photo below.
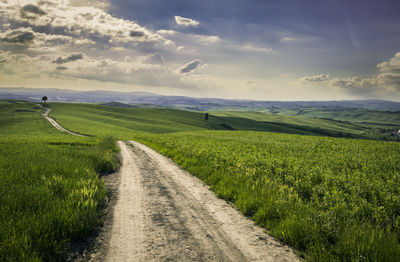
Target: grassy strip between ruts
[335,199]
[50,190]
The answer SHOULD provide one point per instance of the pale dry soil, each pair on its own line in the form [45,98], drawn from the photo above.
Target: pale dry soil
[163,213]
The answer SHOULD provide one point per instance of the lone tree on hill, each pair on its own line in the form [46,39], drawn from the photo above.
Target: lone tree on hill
[44,99]
[206,116]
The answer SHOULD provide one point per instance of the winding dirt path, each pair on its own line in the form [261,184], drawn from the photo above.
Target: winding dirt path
[159,212]
[162,213]
[45,114]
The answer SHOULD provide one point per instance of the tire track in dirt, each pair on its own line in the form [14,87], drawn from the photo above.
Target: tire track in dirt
[162,213]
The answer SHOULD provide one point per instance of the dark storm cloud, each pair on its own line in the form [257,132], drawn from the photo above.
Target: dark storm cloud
[189,67]
[136,33]
[18,37]
[70,58]
[31,11]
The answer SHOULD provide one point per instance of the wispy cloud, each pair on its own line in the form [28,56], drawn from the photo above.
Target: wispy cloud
[288,39]
[313,79]
[183,21]
[254,48]
[70,58]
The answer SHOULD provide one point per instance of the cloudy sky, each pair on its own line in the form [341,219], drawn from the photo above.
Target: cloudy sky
[246,49]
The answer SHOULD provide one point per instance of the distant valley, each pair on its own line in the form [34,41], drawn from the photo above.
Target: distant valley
[144,99]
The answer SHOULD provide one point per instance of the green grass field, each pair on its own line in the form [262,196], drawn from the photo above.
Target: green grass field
[362,117]
[50,190]
[307,123]
[333,198]
[104,120]
[355,123]
[115,121]
[122,122]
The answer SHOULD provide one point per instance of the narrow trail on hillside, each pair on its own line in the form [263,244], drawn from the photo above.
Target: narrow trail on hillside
[162,213]
[45,114]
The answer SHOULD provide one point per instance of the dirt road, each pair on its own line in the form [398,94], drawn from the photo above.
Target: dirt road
[162,213]
[45,114]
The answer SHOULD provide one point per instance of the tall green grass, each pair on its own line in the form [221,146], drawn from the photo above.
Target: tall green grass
[50,190]
[335,199]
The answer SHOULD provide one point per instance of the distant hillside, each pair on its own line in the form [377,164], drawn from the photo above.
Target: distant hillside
[201,104]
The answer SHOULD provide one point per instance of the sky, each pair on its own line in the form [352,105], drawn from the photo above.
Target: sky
[284,50]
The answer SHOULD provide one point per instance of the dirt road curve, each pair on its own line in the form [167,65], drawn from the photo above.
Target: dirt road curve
[164,214]
[45,114]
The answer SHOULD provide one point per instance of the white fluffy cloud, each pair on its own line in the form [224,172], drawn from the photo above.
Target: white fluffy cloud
[390,73]
[182,21]
[73,39]
[80,40]
[145,71]
[81,23]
